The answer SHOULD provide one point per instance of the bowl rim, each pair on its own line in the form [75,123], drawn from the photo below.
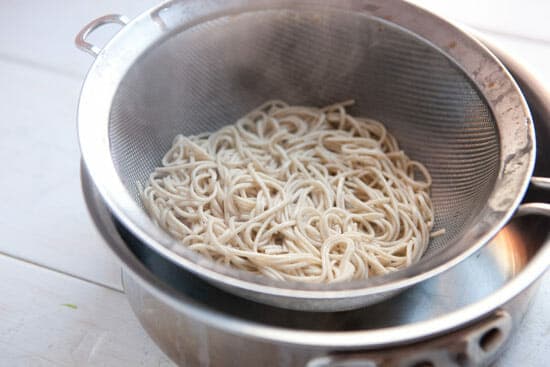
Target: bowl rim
[345,340]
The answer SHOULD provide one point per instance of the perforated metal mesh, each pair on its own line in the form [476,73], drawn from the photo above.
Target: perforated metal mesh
[205,77]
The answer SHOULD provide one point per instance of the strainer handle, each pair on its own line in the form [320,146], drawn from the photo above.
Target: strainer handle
[80,39]
[536,208]
[542,182]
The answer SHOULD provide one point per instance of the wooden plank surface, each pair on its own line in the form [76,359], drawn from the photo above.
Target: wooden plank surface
[524,18]
[51,319]
[41,33]
[48,222]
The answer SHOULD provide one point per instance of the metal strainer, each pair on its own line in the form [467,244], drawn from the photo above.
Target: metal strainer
[187,67]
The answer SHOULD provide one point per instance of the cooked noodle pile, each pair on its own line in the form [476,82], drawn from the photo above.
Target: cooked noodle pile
[295,193]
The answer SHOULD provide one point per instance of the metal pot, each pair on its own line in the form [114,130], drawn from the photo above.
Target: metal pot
[189,66]
[462,317]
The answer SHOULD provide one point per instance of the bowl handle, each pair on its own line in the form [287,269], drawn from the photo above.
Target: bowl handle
[80,39]
[475,345]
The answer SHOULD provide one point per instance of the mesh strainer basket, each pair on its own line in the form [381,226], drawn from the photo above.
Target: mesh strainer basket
[187,67]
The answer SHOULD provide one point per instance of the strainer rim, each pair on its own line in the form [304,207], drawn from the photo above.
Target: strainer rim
[103,172]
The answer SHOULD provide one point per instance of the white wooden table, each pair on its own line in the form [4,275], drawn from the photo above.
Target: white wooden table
[61,301]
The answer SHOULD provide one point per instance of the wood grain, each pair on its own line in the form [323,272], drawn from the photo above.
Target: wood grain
[48,222]
[38,328]
[527,19]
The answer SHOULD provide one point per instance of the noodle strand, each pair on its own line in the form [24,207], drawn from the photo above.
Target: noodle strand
[295,193]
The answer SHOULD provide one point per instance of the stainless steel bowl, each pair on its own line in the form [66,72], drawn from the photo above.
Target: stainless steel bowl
[188,66]
[463,317]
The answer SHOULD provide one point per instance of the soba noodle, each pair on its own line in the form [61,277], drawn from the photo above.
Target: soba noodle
[295,193]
